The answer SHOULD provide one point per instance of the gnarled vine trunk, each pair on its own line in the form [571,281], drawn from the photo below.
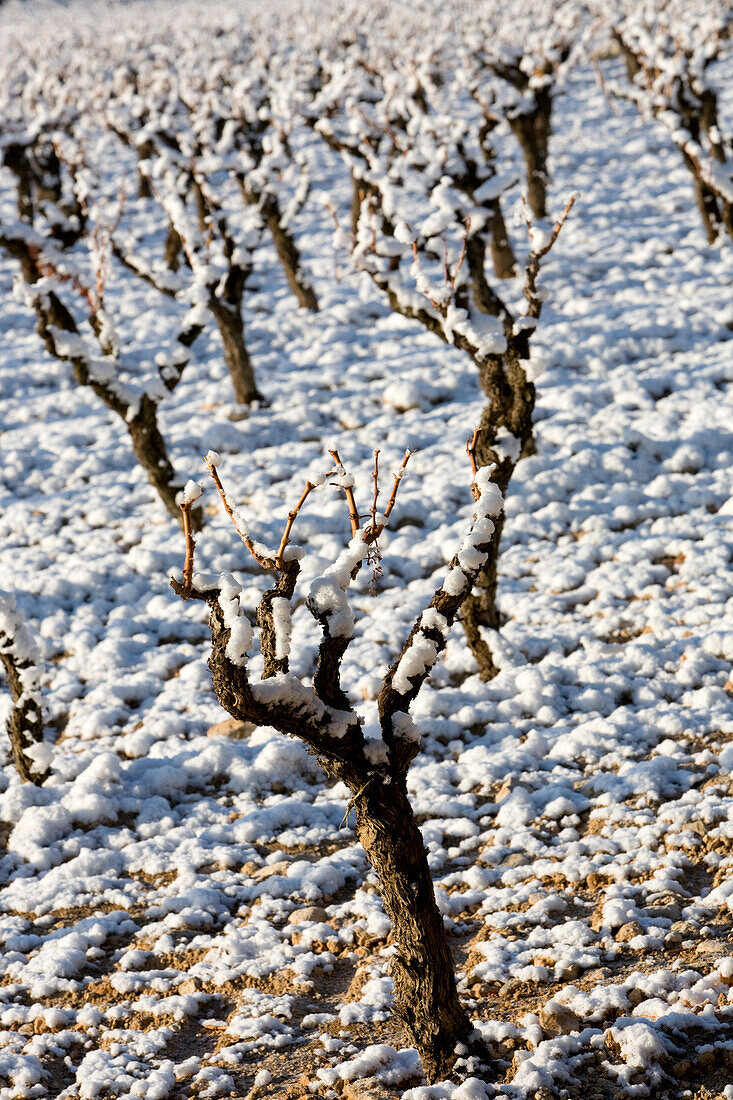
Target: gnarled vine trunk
[140,419]
[150,451]
[289,256]
[707,202]
[510,406]
[19,657]
[425,990]
[425,995]
[285,246]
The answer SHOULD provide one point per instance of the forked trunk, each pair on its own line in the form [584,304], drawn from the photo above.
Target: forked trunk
[426,997]
[425,994]
[236,356]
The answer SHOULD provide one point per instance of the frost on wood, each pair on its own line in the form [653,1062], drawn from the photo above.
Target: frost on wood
[322,715]
[225,175]
[20,659]
[76,328]
[577,811]
[530,51]
[217,246]
[670,50]
[427,185]
[426,213]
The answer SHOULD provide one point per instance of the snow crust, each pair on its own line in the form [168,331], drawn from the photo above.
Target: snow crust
[327,593]
[587,788]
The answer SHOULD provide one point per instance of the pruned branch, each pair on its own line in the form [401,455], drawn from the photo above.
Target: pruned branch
[471,444]
[428,636]
[374,770]
[536,256]
[265,561]
[346,482]
[292,515]
[398,476]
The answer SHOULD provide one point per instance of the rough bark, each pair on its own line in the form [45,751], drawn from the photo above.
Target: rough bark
[505,433]
[144,153]
[25,722]
[425,992]
[16,159]
[709,123]
[631,61]
[231,328]
[697,112]
[37,171]
[510,405]
[172,249]
[425,995]
[148,443]
[706,201]
[532,130]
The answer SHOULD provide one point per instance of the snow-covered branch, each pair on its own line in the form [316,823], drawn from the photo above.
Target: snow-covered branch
[71,320]
[20,659]
[670,49]
[323,716]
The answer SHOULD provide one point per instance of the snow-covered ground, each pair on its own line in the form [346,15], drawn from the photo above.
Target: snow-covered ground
[578,809]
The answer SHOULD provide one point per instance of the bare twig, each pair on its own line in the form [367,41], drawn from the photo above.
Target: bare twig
[349,492]
[604,88]
[395,487]
[309,487]
[266,563]
[556,229]
[190,545]
[375,498]
[48,268]
[537,255]
[471,450]
[351,802]
[325,720]
[559,224]
[462,257]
